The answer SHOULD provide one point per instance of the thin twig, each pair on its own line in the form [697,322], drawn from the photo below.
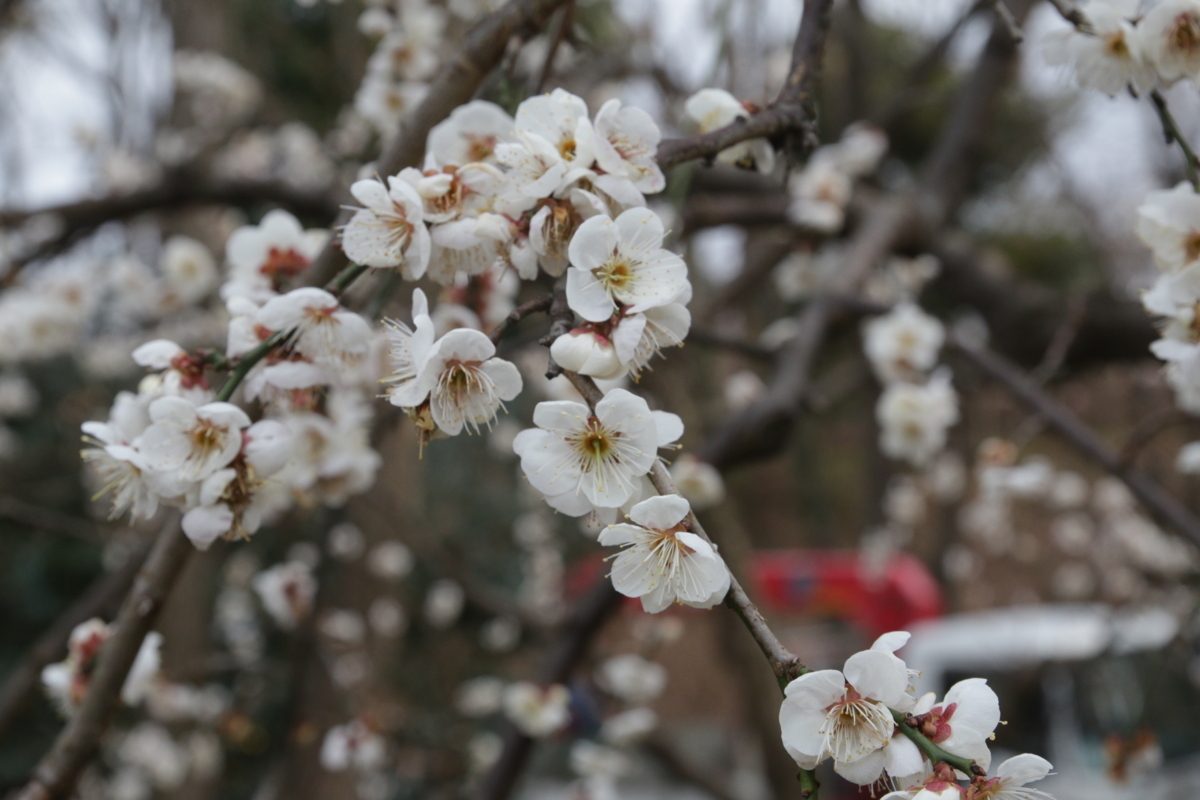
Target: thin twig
[785,664]
[534,306]
[560,35]
[1064,337]
[1071,13]
[1172,133]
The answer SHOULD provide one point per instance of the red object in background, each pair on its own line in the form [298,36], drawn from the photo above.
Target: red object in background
[829,584]
[833,583]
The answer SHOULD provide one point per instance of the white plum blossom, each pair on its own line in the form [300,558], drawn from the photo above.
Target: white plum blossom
[188,269]
[444,603]
[286,591]
[629,727]
[712,109]
[1169,224]
[593,459]
[1109,56]
[66,683]
[560,119]
[389,231]
[1009,783]
[464,384]
[903,341]
[819,196]
[663,562]
[626,143]
[698,481]
[192,442]
[353,745]
[230,503]
[537,711]
[265,256]
[407,348]
[471,133]
[914,418]
[622,261]
[845,715]
[631,678]
[1170,39]
[587,352]
[320,328]
[860,149]
[962,724]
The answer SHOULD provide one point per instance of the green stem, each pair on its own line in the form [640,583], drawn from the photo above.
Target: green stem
[341,282]
[1171,131]
[246,363]
[931,750]
[808,784]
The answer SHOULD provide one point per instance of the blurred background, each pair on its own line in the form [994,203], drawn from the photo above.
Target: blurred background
[1012,556]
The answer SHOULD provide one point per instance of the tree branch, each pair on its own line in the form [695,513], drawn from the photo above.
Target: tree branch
[51,646]
[55,776]
[1161,504]
[793,112]
[177,190]
[590,613]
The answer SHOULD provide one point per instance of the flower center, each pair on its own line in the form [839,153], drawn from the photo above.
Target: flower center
[855,726]
[480,147]
[594,445]
[1191,245]
[206,438]
[1185,33]
[281,264]
[320,315]
[1116,45]
[615,274]
[566,148]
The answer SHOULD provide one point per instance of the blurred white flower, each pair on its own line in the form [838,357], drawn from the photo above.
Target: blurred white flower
[537,711]
[286,591]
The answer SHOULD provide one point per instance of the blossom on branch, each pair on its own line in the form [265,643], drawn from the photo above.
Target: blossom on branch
[662,562]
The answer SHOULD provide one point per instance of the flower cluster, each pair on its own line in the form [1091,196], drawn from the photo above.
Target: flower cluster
[67,681]
[173,443]
[861,716]
[916,408]
[1118,48]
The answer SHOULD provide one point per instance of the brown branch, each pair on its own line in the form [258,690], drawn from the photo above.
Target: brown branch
[784,663]
[1064,337]
[178,190]
[534,306]
[104,593]
[561,320]
[455,83]
[590,613]
[56,774]
[791,117]
[762,429]
[49,520]
[1161,504]
[560,35]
